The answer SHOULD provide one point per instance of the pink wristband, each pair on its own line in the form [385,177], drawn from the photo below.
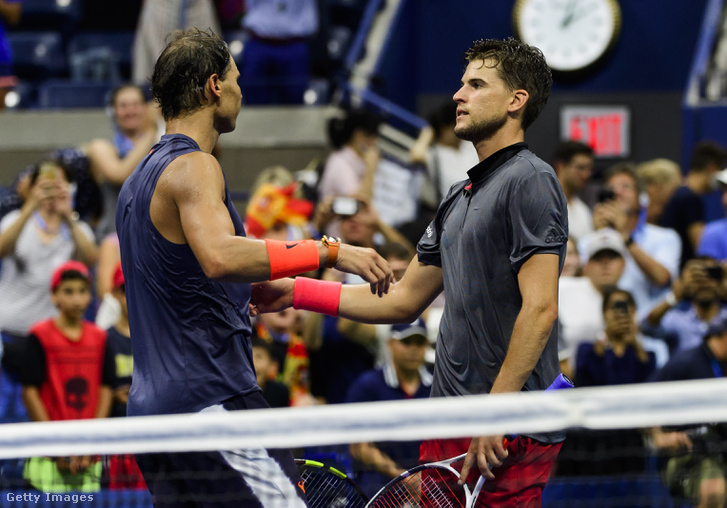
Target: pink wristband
[321,296]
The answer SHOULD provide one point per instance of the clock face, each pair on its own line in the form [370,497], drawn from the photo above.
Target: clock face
[572,34]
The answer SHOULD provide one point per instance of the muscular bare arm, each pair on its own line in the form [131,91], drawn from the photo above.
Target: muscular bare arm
[188,207]
[538,283]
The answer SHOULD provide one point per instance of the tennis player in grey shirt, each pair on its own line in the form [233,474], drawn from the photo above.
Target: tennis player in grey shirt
[496,248]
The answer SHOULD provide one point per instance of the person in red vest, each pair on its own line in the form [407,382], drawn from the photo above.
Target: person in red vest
[67,377]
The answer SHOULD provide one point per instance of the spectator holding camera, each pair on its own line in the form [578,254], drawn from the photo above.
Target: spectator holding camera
[652,252]
[695,468]
[618,357]
[702,284]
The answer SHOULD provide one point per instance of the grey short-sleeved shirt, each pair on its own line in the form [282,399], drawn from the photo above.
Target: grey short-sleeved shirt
[511,208]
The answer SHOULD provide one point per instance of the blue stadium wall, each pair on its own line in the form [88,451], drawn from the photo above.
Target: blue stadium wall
[647,69]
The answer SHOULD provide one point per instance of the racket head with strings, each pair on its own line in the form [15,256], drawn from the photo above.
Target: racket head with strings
[428,485]
[327,487]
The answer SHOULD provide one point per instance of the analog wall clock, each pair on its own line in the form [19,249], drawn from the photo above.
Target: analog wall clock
[572,34]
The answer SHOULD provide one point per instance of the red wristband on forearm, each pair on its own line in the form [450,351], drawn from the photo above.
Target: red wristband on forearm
[291,258]
[321,296]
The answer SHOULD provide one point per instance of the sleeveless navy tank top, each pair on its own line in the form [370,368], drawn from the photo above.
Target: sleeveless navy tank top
[190,334]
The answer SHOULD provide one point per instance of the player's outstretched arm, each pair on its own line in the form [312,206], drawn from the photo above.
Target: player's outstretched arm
[193,186]
[403,303]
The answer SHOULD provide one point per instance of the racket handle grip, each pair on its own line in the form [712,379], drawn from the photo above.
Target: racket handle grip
[560,383]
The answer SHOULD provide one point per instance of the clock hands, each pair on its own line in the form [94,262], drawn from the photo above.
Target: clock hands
[569,12]
[573,15]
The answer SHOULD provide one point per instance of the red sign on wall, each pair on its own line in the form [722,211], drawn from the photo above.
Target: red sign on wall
[604,128]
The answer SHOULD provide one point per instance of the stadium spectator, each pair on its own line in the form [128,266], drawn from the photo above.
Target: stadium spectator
[14,195]
[118,343]
[111,162]
[573,163]
[695,460]
[288,352]
[660,178]
[276,63]
[709,157]
[701,286]
[276,394]
[34,240]
[108,258]
[714,237]
[275,211]
[617,358]
[404,376]
[652,252]
[572,266]
[157,19]
[341,349]
[10,13]
[685,211]
[122,471]
[580,299]
[351,167]
[67,375]
[398,255]
[444,155]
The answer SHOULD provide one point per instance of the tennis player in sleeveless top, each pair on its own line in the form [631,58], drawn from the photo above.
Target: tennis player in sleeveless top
[188,269]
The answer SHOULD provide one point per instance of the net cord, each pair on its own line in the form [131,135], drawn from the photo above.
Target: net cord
[626,406]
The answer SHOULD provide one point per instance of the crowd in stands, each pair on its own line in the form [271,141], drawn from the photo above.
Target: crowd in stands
[287,51]
[643,294]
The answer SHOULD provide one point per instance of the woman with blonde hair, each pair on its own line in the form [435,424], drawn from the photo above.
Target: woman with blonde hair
[660,178]
[673,203]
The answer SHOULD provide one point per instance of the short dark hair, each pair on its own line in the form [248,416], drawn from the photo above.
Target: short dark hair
[566,150]
[521,66]
[183,67]
[706,153]
[609,292]
[445,115]
[113,95]
[340,130]
[624,168]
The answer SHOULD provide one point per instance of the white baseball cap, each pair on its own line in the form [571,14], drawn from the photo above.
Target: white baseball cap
[606,239]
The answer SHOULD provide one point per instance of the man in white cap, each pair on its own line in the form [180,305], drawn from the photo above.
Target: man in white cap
[714,237]
[403,376]
[580,298]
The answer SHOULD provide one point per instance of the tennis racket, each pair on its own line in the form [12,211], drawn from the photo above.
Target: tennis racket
[431,485]
[435,484]
[327,487]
